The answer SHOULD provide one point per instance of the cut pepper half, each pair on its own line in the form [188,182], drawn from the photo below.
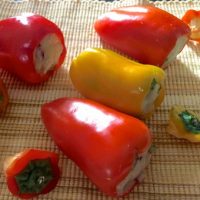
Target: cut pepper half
[192,18]
[184,123]
[32,172]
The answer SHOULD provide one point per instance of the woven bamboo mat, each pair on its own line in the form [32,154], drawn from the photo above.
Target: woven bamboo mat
[174,172]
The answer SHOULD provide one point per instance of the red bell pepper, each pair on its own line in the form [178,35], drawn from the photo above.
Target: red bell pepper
[110,147]
[31,47]
[32,172]
[146,33]
[192,18]
[3,96]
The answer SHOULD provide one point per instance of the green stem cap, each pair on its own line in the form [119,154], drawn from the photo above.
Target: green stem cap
[191,122]
[35,176]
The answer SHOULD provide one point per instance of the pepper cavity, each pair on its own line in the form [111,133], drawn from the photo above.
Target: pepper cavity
[135,175]
[47,54]
[34,51]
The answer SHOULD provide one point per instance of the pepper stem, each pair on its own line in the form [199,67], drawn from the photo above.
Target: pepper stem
[35,176]
[191,122]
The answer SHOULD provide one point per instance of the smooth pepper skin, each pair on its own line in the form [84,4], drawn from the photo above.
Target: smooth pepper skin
[192,18]
[103,142]
[109,78]
[183,123]
[19,37]
[146,33]
[16,164]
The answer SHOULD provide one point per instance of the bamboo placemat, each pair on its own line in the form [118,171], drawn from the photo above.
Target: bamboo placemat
[174,172]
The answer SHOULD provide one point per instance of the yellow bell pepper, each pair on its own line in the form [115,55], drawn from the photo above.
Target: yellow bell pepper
[184,123]
[111,79]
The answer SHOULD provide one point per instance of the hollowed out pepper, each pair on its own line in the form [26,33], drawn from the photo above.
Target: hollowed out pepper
[110,147]
[146,33]
[118,82]
[184,123]
[31,47]
[32,172]
[3,96]
[192,18]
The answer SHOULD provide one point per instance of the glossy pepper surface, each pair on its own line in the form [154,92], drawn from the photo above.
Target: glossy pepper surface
[146,33]
[184,123]
[110,147]
[31,47]
[111,79]
[3,96]
[192,18]
[31,173]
